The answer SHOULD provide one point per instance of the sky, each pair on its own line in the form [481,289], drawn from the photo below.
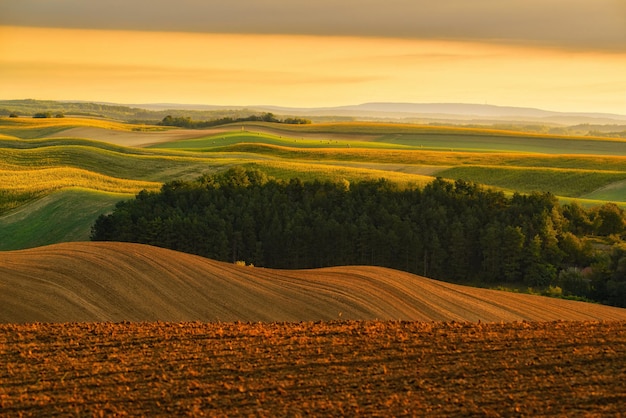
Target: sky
[564,55]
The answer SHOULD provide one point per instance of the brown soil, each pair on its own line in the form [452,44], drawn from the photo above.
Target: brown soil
[322,369]
[133,138]
[93,282]
[142,139]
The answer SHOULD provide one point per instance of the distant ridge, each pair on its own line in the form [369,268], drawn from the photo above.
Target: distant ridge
[93,282]
[425,112]
[458,111]
[465,109]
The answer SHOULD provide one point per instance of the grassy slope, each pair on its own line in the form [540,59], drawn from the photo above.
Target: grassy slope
[47,180]
[63,216]
[230,138]
[562,182]
[29,128]
[398,136]
[614,192]
[121,163]
[489,143]
[120,281]
[495,158]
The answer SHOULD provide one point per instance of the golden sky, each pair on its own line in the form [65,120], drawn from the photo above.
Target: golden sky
[431,54]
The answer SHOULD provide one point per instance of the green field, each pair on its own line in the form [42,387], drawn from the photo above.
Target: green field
[47,177]
[562,182]
[614,192]
[398,136]
[231,138]
[63,216]
[30,128]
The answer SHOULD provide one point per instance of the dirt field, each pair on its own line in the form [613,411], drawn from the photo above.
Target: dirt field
[133,138]
[142,139]
[325,368]
[67,348]
[95,282]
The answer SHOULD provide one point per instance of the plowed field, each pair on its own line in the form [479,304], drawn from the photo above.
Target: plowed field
[93,282]
[313,368]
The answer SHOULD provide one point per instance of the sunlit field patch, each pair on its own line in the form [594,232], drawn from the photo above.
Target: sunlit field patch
[37,182]
[28,128]
[312,171]
[19,187]
[142,165]
[561,182]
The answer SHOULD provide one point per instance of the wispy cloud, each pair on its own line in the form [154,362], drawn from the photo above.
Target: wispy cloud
[568,24]
[554,54]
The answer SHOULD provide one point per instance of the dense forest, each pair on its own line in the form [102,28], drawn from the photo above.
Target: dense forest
[453,231]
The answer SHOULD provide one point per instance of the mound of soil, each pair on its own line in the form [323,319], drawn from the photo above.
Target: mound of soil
[323,369]
[93,282]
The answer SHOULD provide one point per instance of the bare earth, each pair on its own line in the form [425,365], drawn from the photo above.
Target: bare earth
[92,282]
[349,368]
[134,138]
[142,139]
[67,347]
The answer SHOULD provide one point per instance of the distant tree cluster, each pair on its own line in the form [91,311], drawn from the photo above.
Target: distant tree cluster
[187,122]
[45,115]
[118,112]
[454,231]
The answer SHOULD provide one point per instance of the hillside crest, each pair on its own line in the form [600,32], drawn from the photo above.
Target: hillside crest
[89,282]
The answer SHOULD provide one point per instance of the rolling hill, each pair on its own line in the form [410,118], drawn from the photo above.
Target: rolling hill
[43,161]
[54,218]
[88,282]
[449,112]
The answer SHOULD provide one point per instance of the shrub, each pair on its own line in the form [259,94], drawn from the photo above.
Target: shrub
[553,291]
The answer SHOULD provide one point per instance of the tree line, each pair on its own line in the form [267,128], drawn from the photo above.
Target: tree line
[43,115]
[454,231]
[187,122]
[29,107]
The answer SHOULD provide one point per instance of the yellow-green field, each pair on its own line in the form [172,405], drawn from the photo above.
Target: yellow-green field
[100,160]
[27,128]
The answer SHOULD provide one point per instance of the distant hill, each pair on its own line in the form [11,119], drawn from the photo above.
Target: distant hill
[89,282]
[477,113]
[475,110]
[455,113]
[129,113]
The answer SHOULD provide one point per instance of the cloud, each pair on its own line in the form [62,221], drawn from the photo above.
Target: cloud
[567,24]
